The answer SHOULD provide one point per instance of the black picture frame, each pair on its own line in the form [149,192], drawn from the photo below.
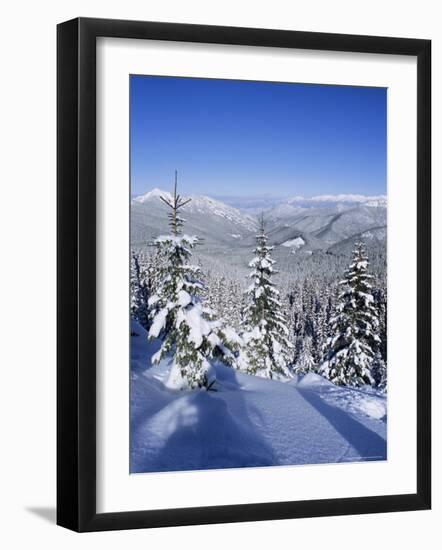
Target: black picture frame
[76,274]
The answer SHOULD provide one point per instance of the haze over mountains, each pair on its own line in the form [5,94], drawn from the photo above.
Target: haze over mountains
[297,227]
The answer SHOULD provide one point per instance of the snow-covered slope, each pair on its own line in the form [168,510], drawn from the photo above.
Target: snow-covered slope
[207,206]
[329,222]
[155,193]
[297,242]
[212,220]
[248,421]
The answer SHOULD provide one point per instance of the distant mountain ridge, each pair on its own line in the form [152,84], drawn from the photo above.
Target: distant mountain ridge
[254,205]
[204,205]
[297,226]
[212,220]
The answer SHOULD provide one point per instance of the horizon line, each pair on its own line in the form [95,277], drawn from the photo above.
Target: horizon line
[325,196]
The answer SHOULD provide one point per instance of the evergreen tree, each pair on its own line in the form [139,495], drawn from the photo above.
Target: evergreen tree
[354,340]
[188,329]
[379,372]
[380,298]
[305,362]
[139,292]
[320,327]
[266,351]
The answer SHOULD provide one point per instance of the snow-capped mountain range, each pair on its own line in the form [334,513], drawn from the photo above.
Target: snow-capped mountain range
[254,205]
[203,205]
[296,226]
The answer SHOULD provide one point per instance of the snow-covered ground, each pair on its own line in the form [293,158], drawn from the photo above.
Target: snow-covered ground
[295,243]
[247,421]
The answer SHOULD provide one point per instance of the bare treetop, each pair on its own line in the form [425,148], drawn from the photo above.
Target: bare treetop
[175,204]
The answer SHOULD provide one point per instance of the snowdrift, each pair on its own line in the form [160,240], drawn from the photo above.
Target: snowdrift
[247,421]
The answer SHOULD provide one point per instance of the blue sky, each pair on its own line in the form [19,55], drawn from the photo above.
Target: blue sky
[239,138]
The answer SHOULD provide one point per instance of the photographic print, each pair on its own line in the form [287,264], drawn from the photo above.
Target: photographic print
[258,274]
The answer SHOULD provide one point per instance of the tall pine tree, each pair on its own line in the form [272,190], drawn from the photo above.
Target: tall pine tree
[139,292]
[305,362]
[187,328]
[266,345]
[354,341]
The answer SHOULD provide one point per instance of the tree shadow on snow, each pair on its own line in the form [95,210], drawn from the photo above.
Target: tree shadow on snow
[212,430]
[367,445]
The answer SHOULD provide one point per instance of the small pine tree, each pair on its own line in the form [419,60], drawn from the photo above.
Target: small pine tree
[267,348]
[320,326]
[305,362]
[379,372]
[188,329]
[354,340]
[139,292]
[380,298]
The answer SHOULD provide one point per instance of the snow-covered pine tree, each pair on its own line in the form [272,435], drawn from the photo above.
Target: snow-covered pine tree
[305,362]
[187,328]
[266,345]
[320,328]
[379,372]
[354,340]
[139,292]
[380,299]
